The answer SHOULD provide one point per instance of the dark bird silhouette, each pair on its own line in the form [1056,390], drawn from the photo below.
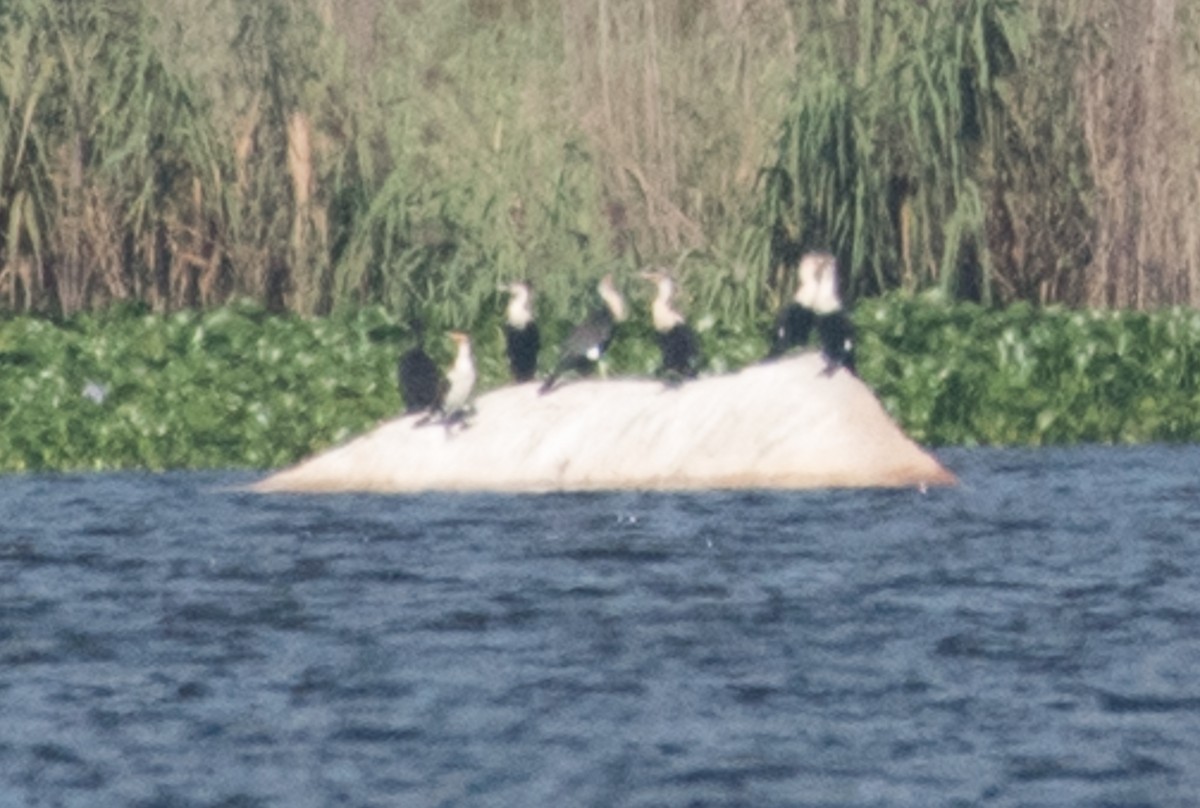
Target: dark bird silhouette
[676,340]
[419,378]
[793,326]
[588,341]
[837,341]
[521,337]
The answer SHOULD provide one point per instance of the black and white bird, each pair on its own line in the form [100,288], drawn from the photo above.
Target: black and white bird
[460,379]
[521,337]
[834,328]
[588,341]
[454,389]
[817,305]
[418,377]
[795,320]
[676,339]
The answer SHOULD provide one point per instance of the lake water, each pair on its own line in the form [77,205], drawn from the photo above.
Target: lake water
[1031,638]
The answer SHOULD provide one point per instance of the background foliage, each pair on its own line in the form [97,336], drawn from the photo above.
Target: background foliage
[373,162]
[309,154]
[238,386]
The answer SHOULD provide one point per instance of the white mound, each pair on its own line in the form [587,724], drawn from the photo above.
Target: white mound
[776,425]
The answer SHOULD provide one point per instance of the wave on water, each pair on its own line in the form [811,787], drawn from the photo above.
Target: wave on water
[1025,639]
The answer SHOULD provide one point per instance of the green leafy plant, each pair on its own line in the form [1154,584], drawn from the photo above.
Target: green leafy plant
[240,387]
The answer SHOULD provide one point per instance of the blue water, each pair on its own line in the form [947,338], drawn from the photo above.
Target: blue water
[1031,638]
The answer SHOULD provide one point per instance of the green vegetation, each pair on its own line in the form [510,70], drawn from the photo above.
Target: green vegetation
[964,374]
[368,163]
[240,387]
[310,154]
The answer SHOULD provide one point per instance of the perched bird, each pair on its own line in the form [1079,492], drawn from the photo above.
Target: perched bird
[834,328]
[418,377]
[795,321]
[817,305]
[588,341]
[521,337]
[676,339]
[460,381]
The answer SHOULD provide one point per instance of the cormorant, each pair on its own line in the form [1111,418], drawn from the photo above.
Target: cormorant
[834,328]
[418,377]
[676,339]
[817,304]
[521,337]
[795,321]
[455,388]
[460,378]
[587,342]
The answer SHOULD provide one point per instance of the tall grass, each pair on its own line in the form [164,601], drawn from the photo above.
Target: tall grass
[1139,82]
[312,154]
[108,162]
[900,141]
[998,151]
[468,189]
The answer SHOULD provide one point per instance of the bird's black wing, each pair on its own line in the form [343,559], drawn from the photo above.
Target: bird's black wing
[522,345]
[792,328]
[583,347]
[837,341]
[591,337]
[419,380]
[680,351]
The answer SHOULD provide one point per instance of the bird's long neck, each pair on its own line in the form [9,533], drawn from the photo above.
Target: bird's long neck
[613,300]
[520,311]
[825,297]
[818,290]
[806,294]
[461,377]
[665,317]
[464,364]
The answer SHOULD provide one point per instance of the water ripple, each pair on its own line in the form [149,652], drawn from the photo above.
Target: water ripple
[1026,639]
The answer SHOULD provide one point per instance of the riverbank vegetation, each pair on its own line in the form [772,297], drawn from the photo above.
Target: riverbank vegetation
[219,219]
[240,387]
[310,154]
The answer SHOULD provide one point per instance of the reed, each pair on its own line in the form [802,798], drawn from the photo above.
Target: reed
[1140,79]
[998,151]
[108,159]
[315,155]
[897,118]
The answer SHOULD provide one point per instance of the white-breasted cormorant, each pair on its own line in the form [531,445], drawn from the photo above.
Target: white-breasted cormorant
[817,304]
[460,377]
[587,341]
[676,339]
[795,321]
[455,387]
[834,328]
[521,337]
